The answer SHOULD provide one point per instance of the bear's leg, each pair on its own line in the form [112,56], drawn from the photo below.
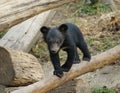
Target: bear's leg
[83,47]
[76,59]
[56,63]
[70,58]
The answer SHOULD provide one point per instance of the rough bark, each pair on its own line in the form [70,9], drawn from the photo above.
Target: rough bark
[13,12]
[24,35]
[18,68]
[52,81]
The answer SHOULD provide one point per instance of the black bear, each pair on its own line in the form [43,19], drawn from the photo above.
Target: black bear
[67,37]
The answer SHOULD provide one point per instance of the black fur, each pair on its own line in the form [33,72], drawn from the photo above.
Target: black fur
[67,37]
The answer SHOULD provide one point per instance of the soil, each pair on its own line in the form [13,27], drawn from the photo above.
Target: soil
[109,75]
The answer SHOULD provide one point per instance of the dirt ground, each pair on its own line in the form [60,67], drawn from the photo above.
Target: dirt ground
[109,75]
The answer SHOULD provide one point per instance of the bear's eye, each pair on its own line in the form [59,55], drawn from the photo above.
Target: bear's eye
[57,41]
[49,41]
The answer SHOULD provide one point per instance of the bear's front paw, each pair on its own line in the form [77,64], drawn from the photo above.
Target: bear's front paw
[76,60]
[86,59]
[65,68]
[58,73]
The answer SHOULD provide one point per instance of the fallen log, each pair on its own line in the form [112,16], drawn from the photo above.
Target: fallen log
[18,68]
[52,81]
[24,35]
[13,12]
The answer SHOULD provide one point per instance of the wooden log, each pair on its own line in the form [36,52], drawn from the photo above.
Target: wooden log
[13,12]
[52,81]
[24,35]
[18,68]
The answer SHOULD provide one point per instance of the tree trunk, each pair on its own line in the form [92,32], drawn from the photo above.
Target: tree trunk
[24,35]
[13,12]
[52,81]
[18,68]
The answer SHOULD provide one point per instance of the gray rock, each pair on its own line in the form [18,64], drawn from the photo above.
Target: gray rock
[108,76]
[73,86]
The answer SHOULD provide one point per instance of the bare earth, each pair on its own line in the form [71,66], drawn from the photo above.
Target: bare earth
[109,75]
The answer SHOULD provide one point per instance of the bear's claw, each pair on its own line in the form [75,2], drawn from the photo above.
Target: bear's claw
[58,73]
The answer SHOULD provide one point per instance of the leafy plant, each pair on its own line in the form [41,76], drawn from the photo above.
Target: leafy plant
[102,44]
[92,9]
[103,90]
[2,33]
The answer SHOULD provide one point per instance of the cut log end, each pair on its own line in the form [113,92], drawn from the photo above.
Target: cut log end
[6,68]
[18,68]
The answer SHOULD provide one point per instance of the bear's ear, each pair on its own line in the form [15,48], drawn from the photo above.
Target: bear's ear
[44,29]
[63,28]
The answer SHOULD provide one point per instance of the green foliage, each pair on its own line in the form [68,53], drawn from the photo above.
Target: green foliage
[102,44]
[94,1]
[2,33]
[92,9]
[103,90]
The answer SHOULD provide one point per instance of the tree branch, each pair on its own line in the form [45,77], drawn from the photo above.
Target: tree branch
[15,11]
[52,81]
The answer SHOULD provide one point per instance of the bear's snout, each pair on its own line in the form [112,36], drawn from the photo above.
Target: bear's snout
[54,48]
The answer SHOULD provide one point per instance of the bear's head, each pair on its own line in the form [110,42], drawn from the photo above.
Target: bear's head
[54,37]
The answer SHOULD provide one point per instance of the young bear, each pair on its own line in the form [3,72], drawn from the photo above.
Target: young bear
[67,37]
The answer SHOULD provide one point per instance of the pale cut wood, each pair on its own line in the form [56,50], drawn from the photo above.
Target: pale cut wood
[23,36]
[52,81]
[18,68]
[13,12]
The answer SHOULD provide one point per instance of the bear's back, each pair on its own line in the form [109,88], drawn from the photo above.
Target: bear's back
[74,32]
